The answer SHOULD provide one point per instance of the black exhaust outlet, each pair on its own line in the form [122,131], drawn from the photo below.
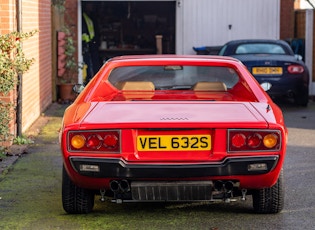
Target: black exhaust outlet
[114,186]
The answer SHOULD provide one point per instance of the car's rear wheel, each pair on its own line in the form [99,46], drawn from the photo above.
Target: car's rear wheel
[302,98]
[269,200]
[75,200]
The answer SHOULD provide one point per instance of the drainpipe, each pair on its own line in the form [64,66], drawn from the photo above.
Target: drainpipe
[19,85]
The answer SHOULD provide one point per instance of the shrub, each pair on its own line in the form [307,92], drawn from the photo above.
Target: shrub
[12,63]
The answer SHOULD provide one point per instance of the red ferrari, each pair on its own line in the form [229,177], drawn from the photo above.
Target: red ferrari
[173,128]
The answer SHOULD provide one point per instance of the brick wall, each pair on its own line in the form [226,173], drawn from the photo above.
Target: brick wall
[300,24]
[286,19]
[8,24]
[36,83]
[7,16]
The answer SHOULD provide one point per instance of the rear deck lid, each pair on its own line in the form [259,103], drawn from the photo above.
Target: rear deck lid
[178,114]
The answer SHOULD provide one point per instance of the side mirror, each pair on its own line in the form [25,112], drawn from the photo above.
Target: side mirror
[266,86]
[78,88]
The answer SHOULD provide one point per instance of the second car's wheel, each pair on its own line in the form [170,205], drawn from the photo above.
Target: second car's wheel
[75,200]
[302,98]
[269,200]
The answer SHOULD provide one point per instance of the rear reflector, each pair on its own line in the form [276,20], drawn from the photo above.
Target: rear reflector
[89,168]
[257,167]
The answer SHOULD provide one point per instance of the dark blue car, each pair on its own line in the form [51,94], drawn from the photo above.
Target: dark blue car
[273,62]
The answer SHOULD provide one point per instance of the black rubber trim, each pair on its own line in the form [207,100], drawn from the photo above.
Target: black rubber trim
[118,168]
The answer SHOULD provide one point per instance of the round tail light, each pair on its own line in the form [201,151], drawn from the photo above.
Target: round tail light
[94,142]
[238,140]
[270,140]
[110,141]
[77,141]
[254,140]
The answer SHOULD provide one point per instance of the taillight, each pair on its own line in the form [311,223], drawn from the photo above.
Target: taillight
[110,141]
[253,140]
[295,69]
[239,140]
[270,140]
[77,141]
[95,141]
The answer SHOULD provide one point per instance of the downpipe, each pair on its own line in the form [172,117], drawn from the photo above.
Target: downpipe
[19,85]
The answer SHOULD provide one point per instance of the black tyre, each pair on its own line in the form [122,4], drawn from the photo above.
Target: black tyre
[269,200]
[302,98]
[75,200]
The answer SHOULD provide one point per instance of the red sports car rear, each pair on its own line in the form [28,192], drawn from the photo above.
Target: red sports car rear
[173,128]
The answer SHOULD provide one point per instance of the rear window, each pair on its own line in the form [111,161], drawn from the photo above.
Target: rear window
[259,48]
[174,76]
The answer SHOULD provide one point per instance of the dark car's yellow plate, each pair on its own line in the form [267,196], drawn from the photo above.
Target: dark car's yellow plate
[267,70]
[174,143]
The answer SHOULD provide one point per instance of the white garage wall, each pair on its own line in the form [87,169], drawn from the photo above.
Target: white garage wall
[214,22]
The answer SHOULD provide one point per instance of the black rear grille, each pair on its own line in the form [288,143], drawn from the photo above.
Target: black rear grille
[171,191]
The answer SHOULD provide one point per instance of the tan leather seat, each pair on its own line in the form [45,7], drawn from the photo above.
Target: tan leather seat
[210,86]
[136,89]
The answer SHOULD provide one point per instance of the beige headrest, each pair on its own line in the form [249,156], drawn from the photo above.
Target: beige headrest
[209,86]
[136,89]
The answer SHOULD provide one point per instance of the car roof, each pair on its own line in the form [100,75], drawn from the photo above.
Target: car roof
[166,57]
[240,41]
[234,43]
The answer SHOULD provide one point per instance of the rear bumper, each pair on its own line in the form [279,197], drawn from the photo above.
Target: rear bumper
[288,86]
[118,168]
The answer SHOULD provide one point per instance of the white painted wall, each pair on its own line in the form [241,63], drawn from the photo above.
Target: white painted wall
[214,22]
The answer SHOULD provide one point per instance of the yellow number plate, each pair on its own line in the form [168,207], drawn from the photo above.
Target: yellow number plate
[267,70]
[173,143]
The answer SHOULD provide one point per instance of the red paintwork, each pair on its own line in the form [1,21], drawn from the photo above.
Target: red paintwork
[246,105]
